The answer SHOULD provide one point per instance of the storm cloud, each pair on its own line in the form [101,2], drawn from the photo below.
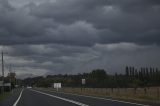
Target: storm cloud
[72,36]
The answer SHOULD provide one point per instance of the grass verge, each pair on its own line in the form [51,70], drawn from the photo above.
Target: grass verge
[4,95]
[127,95]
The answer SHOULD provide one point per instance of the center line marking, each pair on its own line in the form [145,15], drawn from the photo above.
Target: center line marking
[68,100]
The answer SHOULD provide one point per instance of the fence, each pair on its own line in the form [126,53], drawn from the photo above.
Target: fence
[148,94]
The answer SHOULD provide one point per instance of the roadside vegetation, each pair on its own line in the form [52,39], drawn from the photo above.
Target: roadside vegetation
[141,84]
[119,93]
[99,78]
[4,95]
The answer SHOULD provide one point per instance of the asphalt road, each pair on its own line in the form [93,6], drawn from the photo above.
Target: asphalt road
[30,97]
[9,101]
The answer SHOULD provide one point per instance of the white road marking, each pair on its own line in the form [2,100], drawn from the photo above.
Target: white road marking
[68,100]
[113,100]
[18,98]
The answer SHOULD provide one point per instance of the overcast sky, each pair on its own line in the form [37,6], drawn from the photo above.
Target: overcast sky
[44,37]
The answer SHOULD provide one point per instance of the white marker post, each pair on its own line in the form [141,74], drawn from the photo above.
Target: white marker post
[83,83]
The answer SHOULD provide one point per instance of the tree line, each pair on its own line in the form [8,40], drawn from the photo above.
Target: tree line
[98,78]
[143,76]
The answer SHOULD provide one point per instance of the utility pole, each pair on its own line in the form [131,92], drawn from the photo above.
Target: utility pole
[2,73]
[10,70]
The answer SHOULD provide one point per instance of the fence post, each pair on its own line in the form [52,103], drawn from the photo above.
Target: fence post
[145,90]
[118,90]
[158,93]
[135,90]
[112,90]
[106,91]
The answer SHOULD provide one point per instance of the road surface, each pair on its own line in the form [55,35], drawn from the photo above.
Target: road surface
[30,97]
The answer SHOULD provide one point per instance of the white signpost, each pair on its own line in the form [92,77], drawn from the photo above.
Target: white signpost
[83,81]
[57,85]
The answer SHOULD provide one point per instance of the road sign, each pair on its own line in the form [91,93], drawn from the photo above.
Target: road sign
[83,81]
[57,85]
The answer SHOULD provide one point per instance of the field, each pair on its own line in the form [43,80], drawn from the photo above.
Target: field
[151,94]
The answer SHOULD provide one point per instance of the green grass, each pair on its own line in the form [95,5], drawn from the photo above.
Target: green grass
[4,95]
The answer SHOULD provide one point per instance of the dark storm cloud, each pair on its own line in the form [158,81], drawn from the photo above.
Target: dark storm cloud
[81,22]
[72,36]
[55,59]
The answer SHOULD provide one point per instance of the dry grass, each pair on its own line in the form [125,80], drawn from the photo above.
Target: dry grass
[151,94]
